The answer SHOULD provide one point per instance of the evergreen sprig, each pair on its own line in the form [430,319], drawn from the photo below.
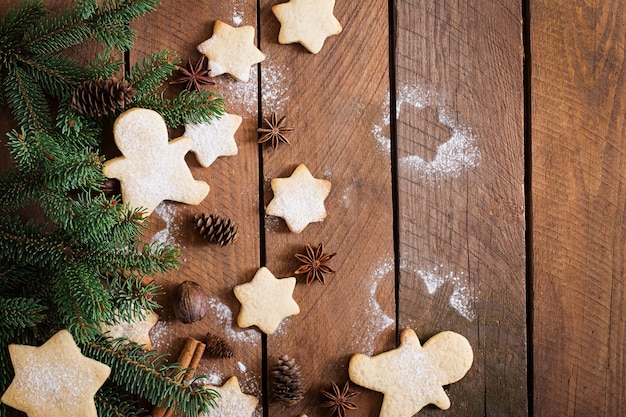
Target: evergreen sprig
[141,372]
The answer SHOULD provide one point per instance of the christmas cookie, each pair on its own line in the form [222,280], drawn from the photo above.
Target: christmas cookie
[299,199]
[411,376]
[232,402]
[215,139]
[231,51]
[266,301]
[153,168]
[137,331]
[308,22]
[54,379]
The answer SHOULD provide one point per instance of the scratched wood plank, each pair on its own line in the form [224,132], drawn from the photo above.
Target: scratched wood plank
[334,101]
[180,26]
[578,197]
[459,87]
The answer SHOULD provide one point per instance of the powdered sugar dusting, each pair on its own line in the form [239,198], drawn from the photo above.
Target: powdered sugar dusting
[158,335]
[453,157]
[167,212]
[461,298]
[225,316]
[375,319]
[243,95]
[274,86]
[237,13]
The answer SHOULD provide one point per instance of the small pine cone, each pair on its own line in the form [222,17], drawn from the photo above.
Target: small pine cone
[287,381]
[217,347]
[216,229]
[102,97]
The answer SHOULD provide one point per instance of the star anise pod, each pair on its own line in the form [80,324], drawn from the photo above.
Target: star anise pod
[314,263]
[275,132]
[339,401]
[193,75]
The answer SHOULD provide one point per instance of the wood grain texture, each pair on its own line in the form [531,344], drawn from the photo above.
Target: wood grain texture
[459,98]
[578,180]
[180,26]
[334,100]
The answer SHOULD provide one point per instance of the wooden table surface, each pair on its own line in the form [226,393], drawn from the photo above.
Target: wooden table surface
[476,154]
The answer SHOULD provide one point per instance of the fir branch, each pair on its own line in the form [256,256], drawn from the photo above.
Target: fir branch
[13,23]
[189,107]
[105,65]
[18,188]
[58,75]
[113,401]
[78,170]
[20,312]
[144,373]
[26,100]
[57,31]
[110,23]
[132,297]
[147,258]
[148,76]
[30,244]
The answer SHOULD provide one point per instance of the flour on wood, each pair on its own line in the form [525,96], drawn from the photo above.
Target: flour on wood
[224,316]
[375,320]
[239,95]
[159,336]
[237,13]
[461,298]
[167,212]
[274,89]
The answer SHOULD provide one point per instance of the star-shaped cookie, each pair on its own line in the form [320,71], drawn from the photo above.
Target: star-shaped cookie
[308,22]
[299,199]
[232,402]
[54,379]
[152,168]
[231,51]
[215,139]
[137,331]
[412,376]
[266,301]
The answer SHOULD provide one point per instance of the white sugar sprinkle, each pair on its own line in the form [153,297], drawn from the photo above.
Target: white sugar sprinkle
[274,85]
[167,212]
[225,317]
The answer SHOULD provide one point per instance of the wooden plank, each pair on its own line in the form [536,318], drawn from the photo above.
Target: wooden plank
[334,100]
[578,197]
[459,98]
[180,26]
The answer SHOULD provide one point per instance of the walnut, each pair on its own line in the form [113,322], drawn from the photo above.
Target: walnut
[192,303]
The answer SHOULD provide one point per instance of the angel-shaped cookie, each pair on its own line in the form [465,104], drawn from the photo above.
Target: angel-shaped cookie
[412,376]
[152,169]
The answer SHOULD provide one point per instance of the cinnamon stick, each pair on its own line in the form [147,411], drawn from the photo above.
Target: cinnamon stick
[189,357]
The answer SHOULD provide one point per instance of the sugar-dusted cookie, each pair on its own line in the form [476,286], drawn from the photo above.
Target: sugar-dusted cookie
[308,22]
[411,376]
[137,331]
[152,169]
[231,401]
[299,199]
[54,379]
[231,51]
[215,139]
[266,301]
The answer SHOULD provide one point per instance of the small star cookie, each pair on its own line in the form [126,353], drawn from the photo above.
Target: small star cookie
[137,331]
[215,139]
[412,376]
[299,199]
[232,402]
[63,380]
[231,51]
[266,301]
[308,22]
[153,168]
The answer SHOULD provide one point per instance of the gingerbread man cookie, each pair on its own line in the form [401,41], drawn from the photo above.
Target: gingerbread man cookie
[153,168]
[412,376]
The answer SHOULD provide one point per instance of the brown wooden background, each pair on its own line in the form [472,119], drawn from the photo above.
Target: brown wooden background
[473,190]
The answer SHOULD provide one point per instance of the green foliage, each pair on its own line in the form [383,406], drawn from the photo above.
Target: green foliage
[188,107]
[135,370]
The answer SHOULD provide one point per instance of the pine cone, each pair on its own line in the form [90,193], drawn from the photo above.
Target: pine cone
[287,384]
[102,97]
[216,229]
[217,347]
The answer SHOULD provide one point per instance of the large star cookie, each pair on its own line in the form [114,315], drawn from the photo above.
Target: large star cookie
[231,51]
[266,301]
[412,376]
[153,168]
[137,331]
[54,379]
[232,402]
[215,139]
[299,199]
[308,22]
